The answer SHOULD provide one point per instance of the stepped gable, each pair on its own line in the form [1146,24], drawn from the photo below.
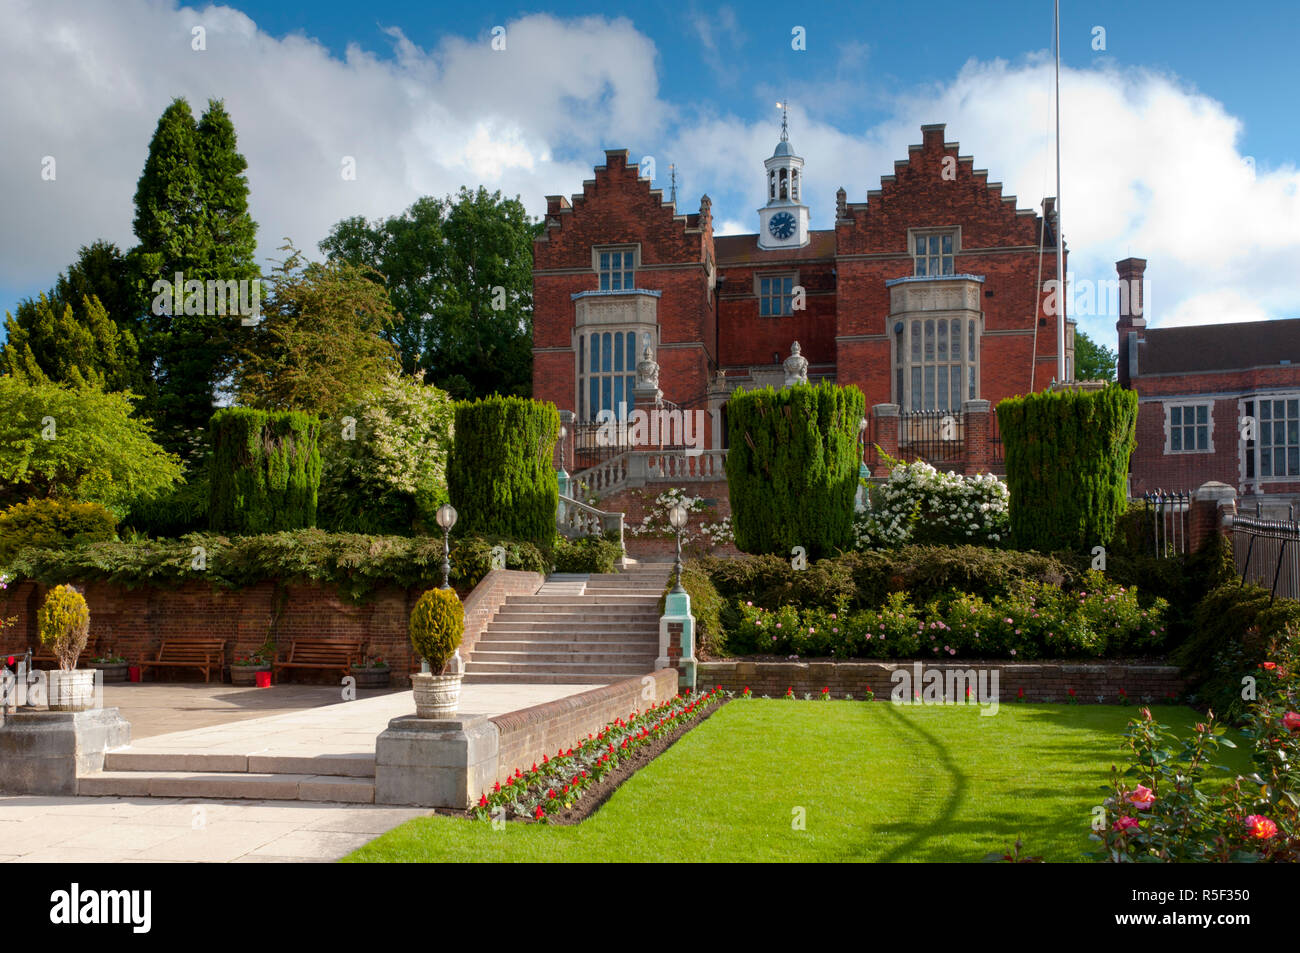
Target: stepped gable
[618,205]
[918,196]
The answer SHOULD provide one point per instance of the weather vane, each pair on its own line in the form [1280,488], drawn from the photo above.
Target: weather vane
[784,107]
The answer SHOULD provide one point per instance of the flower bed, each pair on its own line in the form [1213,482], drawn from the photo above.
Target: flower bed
[559,783]
[917,503]
[1032,620]
[1161,808]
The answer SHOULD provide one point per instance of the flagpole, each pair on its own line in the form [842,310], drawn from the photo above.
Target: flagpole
[1060,241]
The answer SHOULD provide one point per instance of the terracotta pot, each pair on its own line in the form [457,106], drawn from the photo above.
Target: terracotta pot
[436,696]
[372,677]
[72,691]
[246,675]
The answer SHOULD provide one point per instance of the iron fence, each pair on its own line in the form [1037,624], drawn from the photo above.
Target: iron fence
[1167,519]
[936,436]
[1267,552]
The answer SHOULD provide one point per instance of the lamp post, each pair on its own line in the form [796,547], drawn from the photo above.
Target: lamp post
[677,517]
[446,519]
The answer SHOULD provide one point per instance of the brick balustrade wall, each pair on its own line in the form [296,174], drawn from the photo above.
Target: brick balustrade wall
[133,622]
[528,734]
[1047,681]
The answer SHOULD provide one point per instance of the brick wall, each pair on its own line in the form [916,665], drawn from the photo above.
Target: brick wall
[133,622]
[527,734]
[1039,681]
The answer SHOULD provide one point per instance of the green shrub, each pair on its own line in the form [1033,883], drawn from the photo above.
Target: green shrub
[436,626]
[1067,456]
[180,510]
[52,524]
[587,554]
[63,621]
[265,472]
[472,558]
[707,606]
[501,477]
[792,470]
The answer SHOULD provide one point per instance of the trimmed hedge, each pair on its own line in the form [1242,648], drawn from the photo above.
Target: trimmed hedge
[265,472]
[52,524]
[357,565]
[588,554]
[792,470]
[500,476]
[1067,455]
[182,509]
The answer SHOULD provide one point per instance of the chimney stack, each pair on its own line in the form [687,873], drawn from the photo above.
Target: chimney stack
[1132,318]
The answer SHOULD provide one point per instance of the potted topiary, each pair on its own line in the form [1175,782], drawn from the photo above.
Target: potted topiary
[372,672]
[437,624]
[63,622]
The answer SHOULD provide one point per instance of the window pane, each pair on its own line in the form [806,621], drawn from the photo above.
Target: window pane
[1201,413]
[916,388]
[1292,408]
[1175,416]
[618,351]
[943,340]
[1202,438]
[934,244]
[619,409]
[1265,462]
[916,342]
[1176,438]
[970,342]
[929,388]
[595,353]
[605,353]
[920,266]
[1293,461]
[947,266]
[941,402]
[1265,410]
[929,342]
[604,281]
[1278,410]
[970,377]
[631,351]
[594,408]
[947,244]
[604,261]
[606,395]
[956,387]
[920,245]
[1293,431]
[956,340]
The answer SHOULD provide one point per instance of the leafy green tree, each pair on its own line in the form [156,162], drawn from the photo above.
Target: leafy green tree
[1093,361]
[459,273]
[46,343]
[191,218]
[81,443]
[318,346]
[385,459]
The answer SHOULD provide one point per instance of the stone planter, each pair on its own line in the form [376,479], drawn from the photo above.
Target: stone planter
[72,691]
[246,675]
[113,671]
[436,696]
[372,677]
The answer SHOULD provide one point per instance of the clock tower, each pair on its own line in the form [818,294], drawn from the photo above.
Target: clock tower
[783,221]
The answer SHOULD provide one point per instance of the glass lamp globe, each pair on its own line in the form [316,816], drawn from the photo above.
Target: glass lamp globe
[446,516]
[677,516]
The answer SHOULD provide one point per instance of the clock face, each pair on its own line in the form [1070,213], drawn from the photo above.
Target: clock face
[781,225]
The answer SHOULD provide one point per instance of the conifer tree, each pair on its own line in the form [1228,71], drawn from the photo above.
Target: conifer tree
[46,343]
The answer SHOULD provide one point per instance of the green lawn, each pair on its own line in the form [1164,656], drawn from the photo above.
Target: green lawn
[876,781]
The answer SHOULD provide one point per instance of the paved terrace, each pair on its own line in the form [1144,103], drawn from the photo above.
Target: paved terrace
[284,726]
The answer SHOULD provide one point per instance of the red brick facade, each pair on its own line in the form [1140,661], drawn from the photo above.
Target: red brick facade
[697,298]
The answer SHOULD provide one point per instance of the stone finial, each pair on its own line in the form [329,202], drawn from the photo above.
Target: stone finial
[796,367]
[841,204]
[647,371]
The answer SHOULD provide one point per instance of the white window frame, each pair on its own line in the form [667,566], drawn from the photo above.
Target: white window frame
[625,375]
[913,234]
[969,362]
[791,276]
[1256,451]
[598,250]
[1182,406]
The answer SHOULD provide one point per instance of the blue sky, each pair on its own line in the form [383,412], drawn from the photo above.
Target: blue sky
[1180,140]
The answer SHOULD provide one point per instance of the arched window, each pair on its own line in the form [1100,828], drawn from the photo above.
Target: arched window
[771,184]
[785,186]
[794,184]
[607,373]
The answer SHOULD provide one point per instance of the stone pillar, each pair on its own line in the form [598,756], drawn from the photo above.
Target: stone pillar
[976,424]
[44,752]
[1211,503]
[677,638]
[436,762]
[886,431]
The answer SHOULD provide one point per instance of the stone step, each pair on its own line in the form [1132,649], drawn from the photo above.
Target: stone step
[525,633]
[578,671]
[579,602]
[539,678]
[359,765]
[608,646]
[534,658]
[574,624]
[233,784]
[545,613]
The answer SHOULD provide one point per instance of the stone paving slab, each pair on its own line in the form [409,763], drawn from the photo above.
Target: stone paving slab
[91,830]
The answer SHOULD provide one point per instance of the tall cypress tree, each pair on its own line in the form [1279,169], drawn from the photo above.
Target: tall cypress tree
[191,218]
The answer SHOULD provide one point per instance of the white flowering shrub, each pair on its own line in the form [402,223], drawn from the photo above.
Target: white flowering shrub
[385,459]
[918,504]
[655,522]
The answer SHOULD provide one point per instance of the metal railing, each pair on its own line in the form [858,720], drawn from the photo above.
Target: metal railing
[1267,552]
[1167,521]
[936,436]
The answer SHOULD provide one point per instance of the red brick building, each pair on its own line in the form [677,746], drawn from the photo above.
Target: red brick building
[1215,402]
[927,296]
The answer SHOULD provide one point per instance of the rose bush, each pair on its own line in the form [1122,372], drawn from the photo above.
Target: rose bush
[917,503]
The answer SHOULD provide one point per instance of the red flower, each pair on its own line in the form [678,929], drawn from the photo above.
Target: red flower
[518,773]
[1260,827]
[1123,693]
[1142,798]
[545,760]
[1124,823]
[1070,691]
[482,801]
[550,793]
[1020,693]
[496,786]
[534,767]
[539,813]
[1268,665]
[1291,721]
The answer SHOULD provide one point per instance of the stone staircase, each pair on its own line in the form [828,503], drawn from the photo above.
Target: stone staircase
[577,628]
[128,773]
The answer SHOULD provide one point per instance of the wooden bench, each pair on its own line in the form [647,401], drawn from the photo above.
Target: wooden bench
[327,654]
[203,654]
[43,655]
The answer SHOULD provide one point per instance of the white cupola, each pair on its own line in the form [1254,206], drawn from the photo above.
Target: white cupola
[783,221]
